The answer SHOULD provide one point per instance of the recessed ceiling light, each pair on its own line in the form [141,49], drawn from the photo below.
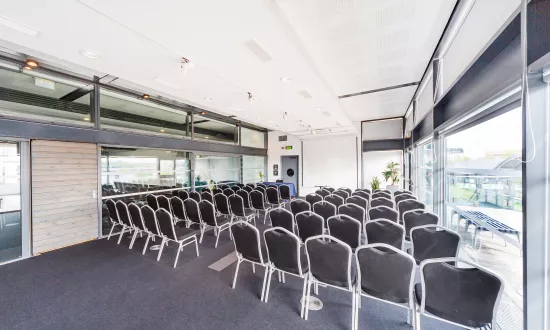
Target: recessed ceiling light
[32,63]
[285,116]
[319,108]
[86,118]
[26,67]
[207,137]
[203,113]
[208,99]
[19,27]
[90,54]
[286,79]
[162,130]
[146,96]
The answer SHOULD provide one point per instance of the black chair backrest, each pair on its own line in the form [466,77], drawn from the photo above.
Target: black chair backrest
[273,186]
[235,188]
[247,241]
[178,210]
[401,192]
[123,214]
[323,193]
[261,185]
[192,210]
[408,205]
[152,201]
[366,190]
[257,200]
[284,192]
[228,192]
[359,201]
[342,193]
[386,232]
[236,205]
[383,212]
[208,213]
[283,250]
[299,205]
[349,191]
[363,194]
[325,210]
[221,203]
[467,296]
[208,196]
[166,224]
[251,185]
[206,189]
[313,198]
[430,242]
[224,186]
[385,273]
[272,195]
[329,189]
[174,193]
[150,220]
[335,200]
[262,190]
[135,214]
[346,229]
[403,197]
[282,218]
[381,201]
[329,260]
[309,224]
[195,195]
[183,195]
[240,185]
[164,203]
[381,194]
[417,218]
[247,189]
[352,210]
[216,191]
[244,195]
[111,207]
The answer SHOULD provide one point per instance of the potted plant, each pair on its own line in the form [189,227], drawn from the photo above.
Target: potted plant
[261,176]
[375,183]
[391,173]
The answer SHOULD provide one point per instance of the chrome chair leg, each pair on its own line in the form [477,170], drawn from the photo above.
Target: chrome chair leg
[177,255]
[160,250]
[253,268]
[308,291]
[268,285]
[217,238]
[146,243]
[303,297]
[133,239]
[266,270]
[236,273]
[112,228]
[196,246]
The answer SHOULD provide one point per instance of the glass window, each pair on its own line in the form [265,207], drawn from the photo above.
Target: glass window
[10,201]
[483,198]
[252,138]
[130,114]
[375,162]
[40,96]
[425,172]
[212,170]
[253,169]
[212,130]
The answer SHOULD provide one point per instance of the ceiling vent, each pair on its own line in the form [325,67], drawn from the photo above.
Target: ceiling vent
[257,50]
[283,138]
[305,94]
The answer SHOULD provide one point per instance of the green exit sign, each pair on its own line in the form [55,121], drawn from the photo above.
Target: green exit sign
[287,148]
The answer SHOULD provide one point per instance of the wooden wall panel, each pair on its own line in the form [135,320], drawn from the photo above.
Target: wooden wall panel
[64,209]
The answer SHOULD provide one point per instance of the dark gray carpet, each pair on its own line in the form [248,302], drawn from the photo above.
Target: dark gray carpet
[102,285]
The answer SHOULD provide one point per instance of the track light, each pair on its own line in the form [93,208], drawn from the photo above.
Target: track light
[285,116]
[309,129]
[186,64]
[251,98]
[302,123]
[146,96]
[32,63]
[313,132]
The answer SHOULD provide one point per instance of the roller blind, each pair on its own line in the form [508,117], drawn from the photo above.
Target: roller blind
[383,129]
[424,101]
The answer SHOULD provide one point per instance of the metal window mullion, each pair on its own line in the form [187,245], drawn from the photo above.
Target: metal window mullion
[95,106]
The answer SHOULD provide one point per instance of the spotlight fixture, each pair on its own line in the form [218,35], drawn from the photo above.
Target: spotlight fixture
[28,68]
[32,63]
[309,129]
[140,98]
[285,116]
[251,98]
[90,54]
[86,118]
[203,113]
[146,96]
[302,123]
[162,130]
[186,64]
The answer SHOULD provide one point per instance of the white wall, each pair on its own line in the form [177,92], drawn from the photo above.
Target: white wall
[374,162]
[274,153]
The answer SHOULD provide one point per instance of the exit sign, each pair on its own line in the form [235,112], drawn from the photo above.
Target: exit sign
[287,148]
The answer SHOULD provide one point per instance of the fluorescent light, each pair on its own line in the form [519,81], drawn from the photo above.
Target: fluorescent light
[19,27]
[90,54]
[167,83]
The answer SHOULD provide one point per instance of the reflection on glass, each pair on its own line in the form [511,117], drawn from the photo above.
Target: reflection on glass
[425,171]
[213,170]
[253,169]
[252,138]
[35,95]
[10,202]
[212,130]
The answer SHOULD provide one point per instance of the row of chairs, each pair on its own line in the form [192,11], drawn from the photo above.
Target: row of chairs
[462,296]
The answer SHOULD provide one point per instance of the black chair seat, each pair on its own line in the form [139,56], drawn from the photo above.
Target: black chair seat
[222,220]
[353,276]
[183,233]
[385,296]
[264,256]
[247,213]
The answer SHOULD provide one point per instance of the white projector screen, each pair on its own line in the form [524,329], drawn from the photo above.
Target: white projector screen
[330,162]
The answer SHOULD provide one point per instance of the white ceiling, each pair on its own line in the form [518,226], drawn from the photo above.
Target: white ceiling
[327,47]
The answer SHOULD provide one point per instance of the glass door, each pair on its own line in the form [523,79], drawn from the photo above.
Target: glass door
[10,201]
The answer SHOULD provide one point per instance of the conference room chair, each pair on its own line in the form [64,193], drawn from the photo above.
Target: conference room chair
[224,186]
[383,212]
[313,198]
[325,210]
[257,201]
[195,195]
[192,213]
[408,205]
[335,200]
[283,218]
[342,193]
[284,192]
[273,197]
[354,211]
[248,189]
[113,216]
[178,211]
[367,190]
[216,191]
[475,292]
[251,185]
[124,216]
[137,221]
[299,205]
[416,218]
[381,201]
[174,193]
[346,229]
[206,189]
[222,205]
[309,224]
[228,192]
[403,197]
[261,185]
[238,211]
[432,241]
[164,203]
[284,255]
[207,196]
[323,193]
[386,274]
[401,192]
[362,194]
[210,220]
[152,201]
[381,194]
[348,190]
[359,201]
[183,195]
[240,185]
[246,239]
[181,236]
[329,189]
[246,198]
[386,191]
[263,191]
[151,224]
[329,264]
[235,188]
[385,232]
